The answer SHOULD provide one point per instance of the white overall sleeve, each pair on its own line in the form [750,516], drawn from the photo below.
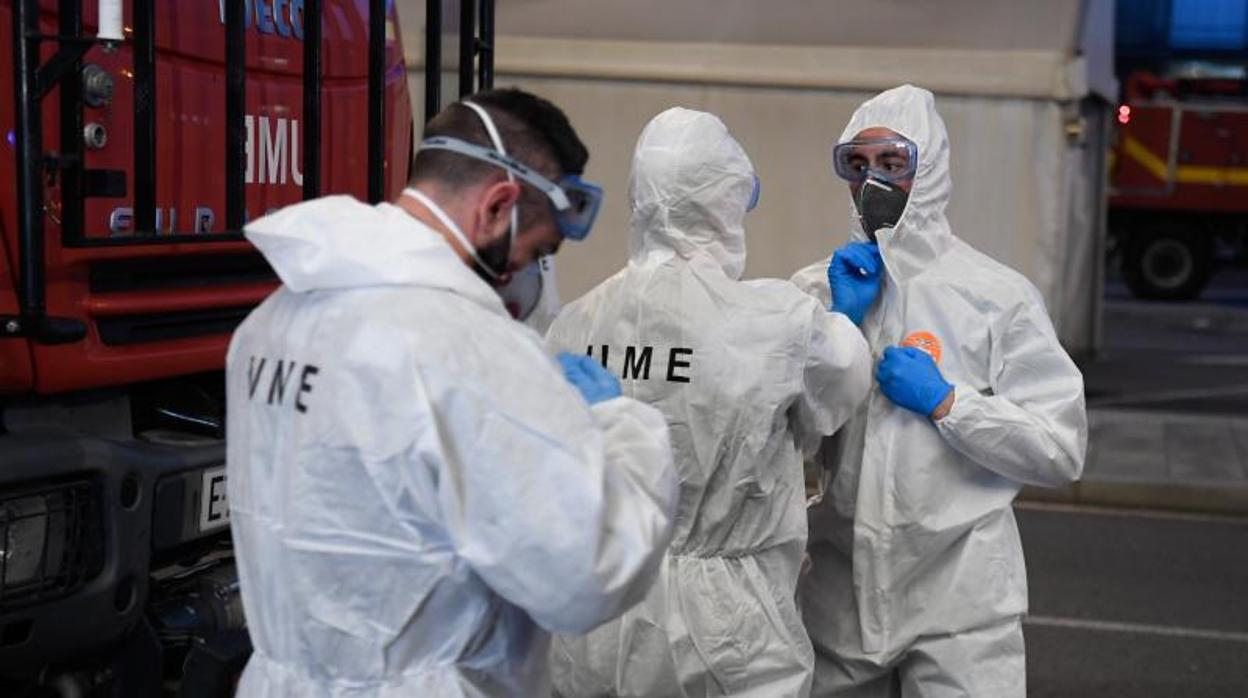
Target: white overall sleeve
[567,510]
[1033,427]
[836,376]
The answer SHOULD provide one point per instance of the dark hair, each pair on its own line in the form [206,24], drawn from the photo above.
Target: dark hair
[533,130]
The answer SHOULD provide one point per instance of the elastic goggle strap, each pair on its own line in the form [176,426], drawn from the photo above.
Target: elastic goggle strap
[490,128]
[497,140]
[513,167]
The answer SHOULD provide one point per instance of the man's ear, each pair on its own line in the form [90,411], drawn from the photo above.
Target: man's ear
[494,208]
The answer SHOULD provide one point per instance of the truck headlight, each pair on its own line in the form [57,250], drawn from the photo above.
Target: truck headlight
[49,541]
[25,525]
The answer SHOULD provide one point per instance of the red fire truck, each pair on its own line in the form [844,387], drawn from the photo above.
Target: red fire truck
[1179,183]
[138,137]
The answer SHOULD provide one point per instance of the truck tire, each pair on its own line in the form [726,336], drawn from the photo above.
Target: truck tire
[1167,261]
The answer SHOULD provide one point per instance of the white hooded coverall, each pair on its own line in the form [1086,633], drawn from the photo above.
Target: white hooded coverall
[917,563]
[745,373]
[417,495]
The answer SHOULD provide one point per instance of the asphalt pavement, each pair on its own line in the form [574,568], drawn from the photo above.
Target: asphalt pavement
[1167,403]
[1177,357]
[1150,602]
[1135,604]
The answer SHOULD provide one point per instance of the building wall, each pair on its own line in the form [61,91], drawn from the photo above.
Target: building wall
[1012,161]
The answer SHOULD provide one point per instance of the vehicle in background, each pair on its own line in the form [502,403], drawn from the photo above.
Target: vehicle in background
[1178,204]
[142,143]
[1179,182]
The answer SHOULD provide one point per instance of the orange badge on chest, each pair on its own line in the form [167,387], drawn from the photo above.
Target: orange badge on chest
[925,341]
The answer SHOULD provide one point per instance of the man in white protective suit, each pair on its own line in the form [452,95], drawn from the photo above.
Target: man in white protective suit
[746,373]
[918,585]
[418,495]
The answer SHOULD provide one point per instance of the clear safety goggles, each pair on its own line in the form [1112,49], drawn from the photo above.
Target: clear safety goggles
[891,159]
[574,201]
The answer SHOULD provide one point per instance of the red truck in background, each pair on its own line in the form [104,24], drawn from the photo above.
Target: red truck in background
[129,167]
[1179,182]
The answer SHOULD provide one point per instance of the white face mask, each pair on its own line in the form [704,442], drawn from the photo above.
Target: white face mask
[440,213]
[523,293]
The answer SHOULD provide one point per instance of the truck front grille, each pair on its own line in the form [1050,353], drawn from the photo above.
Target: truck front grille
[159,327]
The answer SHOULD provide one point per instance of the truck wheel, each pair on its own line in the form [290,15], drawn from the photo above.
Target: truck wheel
[1169,262]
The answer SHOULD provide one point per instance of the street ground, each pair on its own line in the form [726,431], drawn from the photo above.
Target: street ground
[1149,602]
[1168,404]
[1179,357]
[1135,604]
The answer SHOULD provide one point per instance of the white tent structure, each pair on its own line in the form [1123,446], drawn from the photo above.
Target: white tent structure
[1025,89]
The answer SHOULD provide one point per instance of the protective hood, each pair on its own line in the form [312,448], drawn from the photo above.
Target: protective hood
[923,233]
[338,242]
[690,186]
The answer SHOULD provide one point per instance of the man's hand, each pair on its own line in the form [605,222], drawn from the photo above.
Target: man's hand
[944,408]
[909,377]
[854,275]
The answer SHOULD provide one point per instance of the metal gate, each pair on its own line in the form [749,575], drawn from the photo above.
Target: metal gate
[35,80]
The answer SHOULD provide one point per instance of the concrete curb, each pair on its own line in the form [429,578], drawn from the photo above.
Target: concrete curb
[1205,498]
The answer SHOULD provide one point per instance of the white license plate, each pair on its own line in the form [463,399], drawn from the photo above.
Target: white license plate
[214,508]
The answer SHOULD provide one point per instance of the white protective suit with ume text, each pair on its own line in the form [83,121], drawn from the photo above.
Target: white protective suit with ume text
[917,563]
[746,373]
[417,495]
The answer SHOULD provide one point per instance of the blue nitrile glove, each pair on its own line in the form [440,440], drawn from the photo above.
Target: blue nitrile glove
[909,377]
[595,382]
[854,275]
